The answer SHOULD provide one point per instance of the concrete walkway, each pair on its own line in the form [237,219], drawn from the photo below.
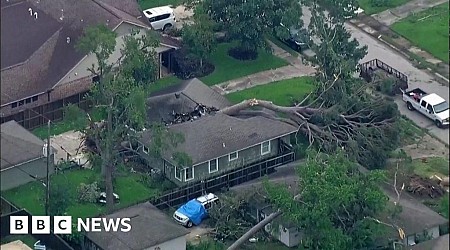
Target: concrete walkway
[296,69]
[388,17]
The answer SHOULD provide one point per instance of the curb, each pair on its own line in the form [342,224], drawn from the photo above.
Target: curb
[398,50]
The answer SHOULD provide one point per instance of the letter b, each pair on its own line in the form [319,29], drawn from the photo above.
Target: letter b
[40,225]
[18,225]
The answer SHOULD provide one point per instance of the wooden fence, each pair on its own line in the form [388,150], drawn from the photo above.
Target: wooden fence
[224,181]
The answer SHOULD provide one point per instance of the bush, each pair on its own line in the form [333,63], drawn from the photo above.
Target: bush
[242,54]
[187,66]
[387,86]
[60,199]
[88,192]
[173,32]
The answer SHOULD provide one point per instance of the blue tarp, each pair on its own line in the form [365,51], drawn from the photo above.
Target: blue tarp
[194,211]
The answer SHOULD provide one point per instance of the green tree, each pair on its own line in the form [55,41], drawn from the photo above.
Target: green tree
[199,38]
[249,21]
[116,95]
[334,203]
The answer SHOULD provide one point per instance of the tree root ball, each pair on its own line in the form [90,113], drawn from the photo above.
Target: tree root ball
[242,54]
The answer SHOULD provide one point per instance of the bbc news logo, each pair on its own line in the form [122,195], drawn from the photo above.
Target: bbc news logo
[63,224]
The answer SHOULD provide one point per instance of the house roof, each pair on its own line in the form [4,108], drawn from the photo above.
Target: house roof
[18,145]
[149,227]
[217,135]
[36,54]
[162,103]
[440,243]
[415,216]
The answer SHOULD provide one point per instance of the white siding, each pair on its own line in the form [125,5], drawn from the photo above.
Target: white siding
[175,244]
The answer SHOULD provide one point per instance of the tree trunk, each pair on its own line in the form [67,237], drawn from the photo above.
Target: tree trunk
[253,230]
[108,164]
[201,63]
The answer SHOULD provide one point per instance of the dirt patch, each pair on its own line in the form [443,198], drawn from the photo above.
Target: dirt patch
[198,233]
[427,146]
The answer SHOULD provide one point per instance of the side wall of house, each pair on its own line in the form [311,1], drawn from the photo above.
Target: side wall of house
[177,243]
[244,157]
[20,175]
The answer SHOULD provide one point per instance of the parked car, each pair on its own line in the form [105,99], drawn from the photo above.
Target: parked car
[432,106]
[196,210]
[298,39]
[160,18]
[102,198]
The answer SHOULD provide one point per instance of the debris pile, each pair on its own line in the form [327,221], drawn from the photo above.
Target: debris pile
[425,187]
[199,111]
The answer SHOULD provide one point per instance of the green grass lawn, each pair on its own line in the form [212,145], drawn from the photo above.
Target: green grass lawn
[280,93]
[228,68]
[427,30]
[433,166]
[31,196]
[145,4]
[369,9]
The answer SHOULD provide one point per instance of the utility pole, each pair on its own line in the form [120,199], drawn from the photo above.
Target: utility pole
[47,193]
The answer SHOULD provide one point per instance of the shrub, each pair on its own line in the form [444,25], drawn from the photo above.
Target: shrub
[187,66]
[88,192]
[173,32]
[242,54]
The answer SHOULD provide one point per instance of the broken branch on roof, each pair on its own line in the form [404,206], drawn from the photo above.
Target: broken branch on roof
[199,111]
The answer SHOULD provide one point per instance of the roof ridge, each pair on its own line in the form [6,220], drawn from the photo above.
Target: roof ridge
[106,7]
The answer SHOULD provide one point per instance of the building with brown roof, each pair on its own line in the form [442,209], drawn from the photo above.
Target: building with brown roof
[40,67]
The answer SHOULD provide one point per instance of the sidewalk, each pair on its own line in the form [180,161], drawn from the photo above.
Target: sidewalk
[388,17]
[371,26]
[296,69]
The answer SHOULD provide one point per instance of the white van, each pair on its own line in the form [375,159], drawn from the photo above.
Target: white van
[160,18]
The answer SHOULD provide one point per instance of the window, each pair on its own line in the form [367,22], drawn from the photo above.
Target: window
[423,104]
[14,105]
[188,174]
[145,149]
[213,165]
[233,156]
[265,147]
[28,100]
[34,98]
[178,173]
[21,103]
[430,109]
[162,17]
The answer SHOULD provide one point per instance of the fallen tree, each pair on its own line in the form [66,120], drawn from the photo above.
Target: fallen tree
[363,127]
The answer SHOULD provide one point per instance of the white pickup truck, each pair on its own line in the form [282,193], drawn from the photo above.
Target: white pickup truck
[430,105]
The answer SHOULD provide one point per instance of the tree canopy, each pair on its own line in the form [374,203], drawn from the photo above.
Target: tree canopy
[333,203]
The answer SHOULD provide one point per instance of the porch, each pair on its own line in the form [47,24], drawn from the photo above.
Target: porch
[165,58]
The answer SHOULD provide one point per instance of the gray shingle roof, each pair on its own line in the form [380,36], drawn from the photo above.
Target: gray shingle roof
[161,104]
[149,227]
[18,145]
[205,138]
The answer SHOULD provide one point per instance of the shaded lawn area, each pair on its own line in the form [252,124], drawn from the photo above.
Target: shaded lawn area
[427,30]
[228,68]
[31,196]
[281,92]
[145,4]
[66,125]
[410,132]
[369,9]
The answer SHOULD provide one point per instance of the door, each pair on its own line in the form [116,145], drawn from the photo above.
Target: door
[159,21]
[430,112]
[423,108]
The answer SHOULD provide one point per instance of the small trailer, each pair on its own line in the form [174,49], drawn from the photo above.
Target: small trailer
[430,105]
[369,71]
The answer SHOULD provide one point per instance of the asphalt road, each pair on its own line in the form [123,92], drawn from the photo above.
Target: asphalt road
[417,78]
